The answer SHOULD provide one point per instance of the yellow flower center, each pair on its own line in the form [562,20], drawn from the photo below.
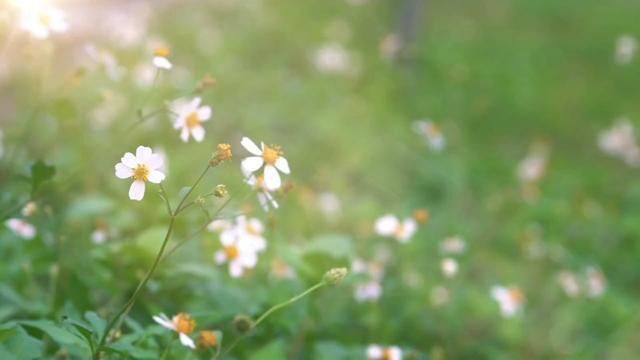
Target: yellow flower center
[44,19]
[141,172]
[386,354]
[207,338]
[192,120]
[251,230]
[183,323]
[162,51]
[271,153]
[231,251]
[399,230]
[516,295]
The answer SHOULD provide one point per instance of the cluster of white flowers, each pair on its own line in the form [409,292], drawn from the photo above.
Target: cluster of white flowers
[390,226]
[40,19]
[592,283]
[626,48]
[619,141]
[431,134]
[378,352]
[453,245]
[371,288]
[510,299]
[241,241]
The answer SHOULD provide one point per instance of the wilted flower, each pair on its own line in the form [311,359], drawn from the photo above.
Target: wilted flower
[626,47]
[40,19]
[21,228]
[452,245]
[180,323]
[29,209]
[241,242]
[389,225]
[449,267]
[188,118]
[431,133]
[377,352]
[142,167]
[161,58]
[510,299]
[268,155]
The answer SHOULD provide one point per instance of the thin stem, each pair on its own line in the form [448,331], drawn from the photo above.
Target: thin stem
[165,197]
[184,198]
[271,311]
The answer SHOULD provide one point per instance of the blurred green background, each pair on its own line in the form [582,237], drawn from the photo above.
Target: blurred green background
[497,76]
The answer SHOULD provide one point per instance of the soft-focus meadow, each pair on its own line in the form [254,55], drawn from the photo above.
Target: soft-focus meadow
[472,164]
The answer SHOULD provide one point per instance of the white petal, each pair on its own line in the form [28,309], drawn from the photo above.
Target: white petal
[248,259]
[220,257]
[235,269]
[194,104]
[164,321]
[155,161]
[136,191]
[155,176]
[228,237]
[204,113]
[123,171]
[129,160]
[251,164]
[386,225]
[251,146]
[395,353]
[409,228]
[374,352]
[184,134]
[162,63]
[283,165]
[187,341]
[143,154]
[198,133]
[271,178]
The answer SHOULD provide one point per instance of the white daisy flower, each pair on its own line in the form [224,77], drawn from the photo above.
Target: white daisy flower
[189,116]
[377,352]
[533,166]
[161,58]
[180,323]
[265,198]
[268,155]
[367,291]
[40,20]
[626,47]
[21,228]
[142,167]
[390,226]
[431,133]
[241,242]
[449,267]
[510,299]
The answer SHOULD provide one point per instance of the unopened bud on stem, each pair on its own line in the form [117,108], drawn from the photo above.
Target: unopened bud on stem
[243,323]
[334,276]
[223,153]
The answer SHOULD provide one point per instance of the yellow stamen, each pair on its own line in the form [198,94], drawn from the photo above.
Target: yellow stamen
[207,338]
[162,51]
[271,153]
[399,232]
[386,354]
[183,323]
[141,172]
[516,295]
[231,251]
[44,19]
[192,120]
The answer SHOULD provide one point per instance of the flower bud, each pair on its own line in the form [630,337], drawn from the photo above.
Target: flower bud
[220,191]
[243,323]
[334,276]
[223,153]
[421,216]
[199,201]
[207,339]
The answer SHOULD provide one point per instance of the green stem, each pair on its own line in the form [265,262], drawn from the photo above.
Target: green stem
[184,198]
[271,311]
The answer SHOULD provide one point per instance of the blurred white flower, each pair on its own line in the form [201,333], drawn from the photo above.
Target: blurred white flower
[268,155]
[452,245]
[569,283]
[620,141]
[431,134]
[188,118]
[99,235]
[510,299]
[144,74]
[368,291]
[374,268]
[390,226]
[29,208]
[533,166]
[449,267]
[142,167]
[241,242]
[265,198]
[332,58]
[596,282]
[21,228]
[105,59]
[377,352]
[161,58]
[626,47]
[329,204]
[40,19]
[180,323]
[439,295]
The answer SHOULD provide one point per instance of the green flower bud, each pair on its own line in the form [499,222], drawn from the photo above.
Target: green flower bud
[334,276]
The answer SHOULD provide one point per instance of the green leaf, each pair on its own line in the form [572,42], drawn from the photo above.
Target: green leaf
[58,334]
[273,350]
[19,345]
[98,324]
[40,173]
[334,245]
